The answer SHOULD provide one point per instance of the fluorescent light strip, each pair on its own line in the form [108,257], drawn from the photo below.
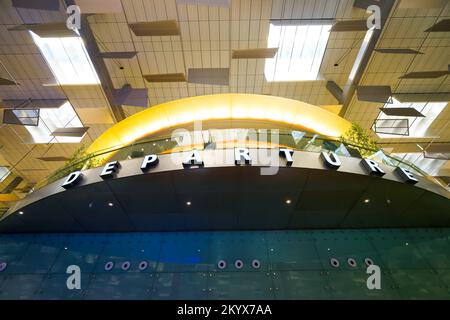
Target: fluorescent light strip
[301,48]
[68,60]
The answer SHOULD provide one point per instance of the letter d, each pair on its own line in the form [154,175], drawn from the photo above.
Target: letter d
[72,179]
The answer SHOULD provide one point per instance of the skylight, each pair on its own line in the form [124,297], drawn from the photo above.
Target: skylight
[402,126]
[301,48]
[4,173]
[52,118]
[68,60]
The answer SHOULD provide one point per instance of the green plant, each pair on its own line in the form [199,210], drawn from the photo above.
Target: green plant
[360,139]
[78,161]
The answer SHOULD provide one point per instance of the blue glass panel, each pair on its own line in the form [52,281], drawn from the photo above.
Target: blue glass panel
[241,285]
[133,248]
[38,258]
[130,286]
[301,285]
[81,251]
[184,252]
[190,285]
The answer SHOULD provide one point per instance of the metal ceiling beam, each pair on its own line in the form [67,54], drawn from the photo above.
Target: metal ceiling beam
[99,65]
[364,55]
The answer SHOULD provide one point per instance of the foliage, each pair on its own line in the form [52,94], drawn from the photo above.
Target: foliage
[78,161]
[360,139]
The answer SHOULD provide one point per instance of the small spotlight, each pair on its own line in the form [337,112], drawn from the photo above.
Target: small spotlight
[110,204]
[65,248]
[406,244]
[21,212]
[288,201]
[366,200]
[188,203]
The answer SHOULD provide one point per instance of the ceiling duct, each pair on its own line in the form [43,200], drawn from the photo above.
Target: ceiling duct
[441,26]
[335,90]
[53,159]
[402,112]
[47,30]
[117,55]
[425,74]
[99,6]
[32,103]
[166,77]
[7,82]
[421,4]
[422,97]
[257,53]
[380,94]
[212,76]
[12,185]
[397,51]
[363,4]
[52,5]
[349,25]
[77,132]
[155,28]
[131,97]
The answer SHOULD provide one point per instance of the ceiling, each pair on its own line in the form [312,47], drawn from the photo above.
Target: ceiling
[207,37]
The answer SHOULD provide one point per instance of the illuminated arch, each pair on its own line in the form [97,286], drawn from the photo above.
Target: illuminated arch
[292,114]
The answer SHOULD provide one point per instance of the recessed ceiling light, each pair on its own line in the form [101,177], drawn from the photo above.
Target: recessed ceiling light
[21,212]
[366,200]
[288,201]
[188,203]
[110,204]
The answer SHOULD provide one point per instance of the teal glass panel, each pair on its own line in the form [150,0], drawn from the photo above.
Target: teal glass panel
[244,246]
[345,245]
[420,284]
[434,246]
[241,285]
[352,284]
[290,250]
[190,286]
[306,285]
[396,250]
[130,286]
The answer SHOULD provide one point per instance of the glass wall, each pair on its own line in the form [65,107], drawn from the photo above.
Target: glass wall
[414,263]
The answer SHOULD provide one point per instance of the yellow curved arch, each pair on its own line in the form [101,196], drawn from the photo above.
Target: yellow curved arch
[221,107]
